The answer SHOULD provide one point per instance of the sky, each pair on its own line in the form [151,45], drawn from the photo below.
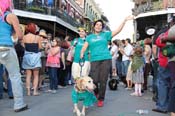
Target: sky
[116,11]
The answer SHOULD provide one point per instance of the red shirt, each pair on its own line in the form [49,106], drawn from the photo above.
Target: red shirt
[163,61]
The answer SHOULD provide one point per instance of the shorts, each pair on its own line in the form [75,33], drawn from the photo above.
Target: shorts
[76,69]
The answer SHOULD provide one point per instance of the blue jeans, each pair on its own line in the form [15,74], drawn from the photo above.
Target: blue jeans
[125,65]
[53,77]
[163,84]
[155,66]
[119,68]
[9,86]
[1,80]
[10,61]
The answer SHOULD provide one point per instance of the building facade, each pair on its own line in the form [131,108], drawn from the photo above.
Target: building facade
[151,13]
[59,17]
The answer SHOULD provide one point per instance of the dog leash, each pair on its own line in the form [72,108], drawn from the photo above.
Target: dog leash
[81,63]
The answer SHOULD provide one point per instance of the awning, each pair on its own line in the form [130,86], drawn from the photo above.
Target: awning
[33,15]
[160,12]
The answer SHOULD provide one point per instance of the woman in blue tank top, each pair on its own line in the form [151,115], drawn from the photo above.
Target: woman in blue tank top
[8,24]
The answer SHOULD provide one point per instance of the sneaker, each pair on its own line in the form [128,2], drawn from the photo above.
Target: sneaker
[21,109]
[159,111]
[48,91]
[69,82]
[128,88]
[61,87]
[100,103]
[54,91]
[11,97]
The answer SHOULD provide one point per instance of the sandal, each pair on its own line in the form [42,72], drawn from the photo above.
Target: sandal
[36,94]
[134,94]
[140,95]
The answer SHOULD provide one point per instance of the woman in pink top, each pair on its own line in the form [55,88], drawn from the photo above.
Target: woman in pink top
[53,63]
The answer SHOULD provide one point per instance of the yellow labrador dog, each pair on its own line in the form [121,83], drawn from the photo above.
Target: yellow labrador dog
[83,91]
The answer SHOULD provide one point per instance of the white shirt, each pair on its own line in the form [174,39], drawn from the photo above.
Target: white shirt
[128,50]
[114,51]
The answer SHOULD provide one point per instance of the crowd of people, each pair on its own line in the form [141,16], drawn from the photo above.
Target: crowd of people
[65,60]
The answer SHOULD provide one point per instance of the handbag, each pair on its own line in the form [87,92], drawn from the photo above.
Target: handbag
[70,55]
[71,51]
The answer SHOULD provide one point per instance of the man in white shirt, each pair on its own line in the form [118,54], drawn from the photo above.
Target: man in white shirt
[126,52]
[114,52]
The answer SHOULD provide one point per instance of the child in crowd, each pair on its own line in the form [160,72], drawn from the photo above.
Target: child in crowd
[137,69]
[129,75]
[53,63]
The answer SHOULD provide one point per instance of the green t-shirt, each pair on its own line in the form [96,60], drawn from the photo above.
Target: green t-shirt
[78,47]
[98,46]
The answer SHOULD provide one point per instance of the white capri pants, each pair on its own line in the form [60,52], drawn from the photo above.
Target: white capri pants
[76,69]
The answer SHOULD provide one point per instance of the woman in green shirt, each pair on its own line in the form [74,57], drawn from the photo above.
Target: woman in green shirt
[100,56]
[78,43]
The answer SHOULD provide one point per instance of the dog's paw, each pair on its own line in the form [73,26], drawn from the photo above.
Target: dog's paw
[77,112]
[82,113]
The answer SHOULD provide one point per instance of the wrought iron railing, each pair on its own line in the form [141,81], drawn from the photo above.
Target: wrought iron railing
[151,5]
[37,7]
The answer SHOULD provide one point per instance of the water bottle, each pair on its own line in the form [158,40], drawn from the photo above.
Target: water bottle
[141,111]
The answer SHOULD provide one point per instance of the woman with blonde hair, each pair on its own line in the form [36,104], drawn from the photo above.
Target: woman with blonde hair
[9,23]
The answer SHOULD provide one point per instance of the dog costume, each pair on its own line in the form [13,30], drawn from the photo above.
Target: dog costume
[87,97]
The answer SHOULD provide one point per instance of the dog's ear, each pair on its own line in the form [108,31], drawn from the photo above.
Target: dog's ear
[79,83]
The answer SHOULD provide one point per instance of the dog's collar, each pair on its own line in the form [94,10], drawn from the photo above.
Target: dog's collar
[77,89]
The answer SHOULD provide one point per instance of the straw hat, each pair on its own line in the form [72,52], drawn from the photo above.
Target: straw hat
[42,33]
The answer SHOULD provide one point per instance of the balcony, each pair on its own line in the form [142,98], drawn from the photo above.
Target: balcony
[150,6]
[78,7]
[37,7]
[90,16]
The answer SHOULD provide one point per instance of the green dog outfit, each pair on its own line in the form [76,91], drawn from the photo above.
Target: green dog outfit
[87,97]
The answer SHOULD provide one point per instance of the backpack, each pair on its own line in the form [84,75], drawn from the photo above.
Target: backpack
[169,50]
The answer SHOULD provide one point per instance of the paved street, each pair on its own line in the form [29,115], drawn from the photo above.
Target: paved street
[117,103]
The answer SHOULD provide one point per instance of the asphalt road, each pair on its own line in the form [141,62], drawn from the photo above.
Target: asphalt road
[117,103]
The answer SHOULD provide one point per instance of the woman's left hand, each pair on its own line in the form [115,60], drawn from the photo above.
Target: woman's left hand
[81,55]
[130,17]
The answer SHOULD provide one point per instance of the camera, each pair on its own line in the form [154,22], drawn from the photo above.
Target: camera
[44,43]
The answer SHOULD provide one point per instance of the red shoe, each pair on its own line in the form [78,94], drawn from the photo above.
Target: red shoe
[100,103]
